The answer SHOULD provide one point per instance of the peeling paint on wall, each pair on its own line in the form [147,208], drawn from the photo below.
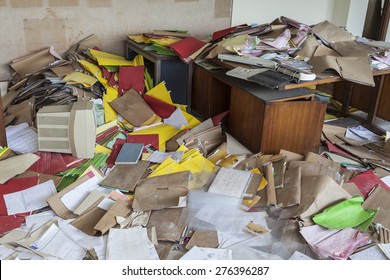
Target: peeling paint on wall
[63,3]
[26,3]
[223,8]
[41,33]
[99,3]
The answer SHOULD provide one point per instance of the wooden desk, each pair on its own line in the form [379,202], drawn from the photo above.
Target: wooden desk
[3,138]
[261,119]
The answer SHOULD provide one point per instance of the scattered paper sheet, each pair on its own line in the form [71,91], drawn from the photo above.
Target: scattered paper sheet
[31,199]
[177,119]
[361,133]
[22,138]
[56,243]
[197,253]
[230,182]
[76,196]
[37,220]
[130,244]
[337,244]
[13,166]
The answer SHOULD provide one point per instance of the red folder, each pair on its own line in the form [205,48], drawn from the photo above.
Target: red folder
[187,47]
[8,223]
[15,185]
[131,77]
[146,139]
[366,181]
[160,108]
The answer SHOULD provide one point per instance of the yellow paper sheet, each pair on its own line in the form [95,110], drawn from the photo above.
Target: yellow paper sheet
[161,93]
[80,78]
[164,131]
[168,166]
[105,126]
[263,181]
[109,113]
[102,149]
[138,38]
[198,164]
[95,71]
[108,59]
[192,121]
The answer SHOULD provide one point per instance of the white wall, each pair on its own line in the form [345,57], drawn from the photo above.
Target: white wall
[357,16]
[265,11]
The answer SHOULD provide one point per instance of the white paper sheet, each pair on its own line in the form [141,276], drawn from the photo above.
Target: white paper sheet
[98,243]
[198,253]
[159,157]
[106,203]
[35,221]
[230,182]
[5,252]
[177,119]
[130,244]
[76,196]
[299,256]
[31,199]
[361,133]
[372,253]
[22,138]
[56,243]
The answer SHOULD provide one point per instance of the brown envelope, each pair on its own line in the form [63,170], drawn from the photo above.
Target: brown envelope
[323,50]
[359,151]
[318,193]
[208,239]
[356,69]
[290,156]
[58,206]
[62,70]
[351,188]
[308,47]
[290,194]
[161,192]
[331,132]
[23,112]
[309,168]
[119,208]
[169,223]
[331,33]
[125,177]
[132,107]
[332,168]
[324,62]
[88,220]
[351,48]
[380,198]
[253,185]
[32,63]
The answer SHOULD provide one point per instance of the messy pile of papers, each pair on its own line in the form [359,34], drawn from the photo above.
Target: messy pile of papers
[299,50]
[162,184]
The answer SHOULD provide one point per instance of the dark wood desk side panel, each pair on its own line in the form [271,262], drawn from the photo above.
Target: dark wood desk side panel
[209,96]
[363,96]
[246,119]
[294,126]
[3,137]
[384,101]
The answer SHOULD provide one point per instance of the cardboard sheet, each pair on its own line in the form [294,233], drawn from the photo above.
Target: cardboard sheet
[161,192]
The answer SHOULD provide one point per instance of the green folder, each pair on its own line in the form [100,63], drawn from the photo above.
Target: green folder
[348,213]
